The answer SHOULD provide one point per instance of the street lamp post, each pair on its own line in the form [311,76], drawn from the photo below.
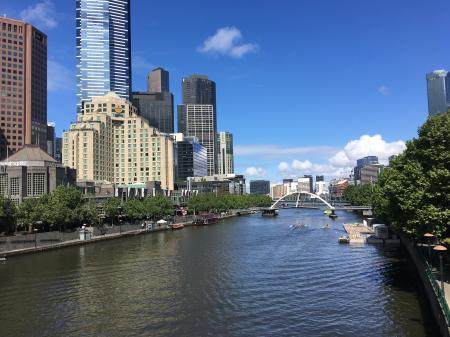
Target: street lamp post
[441,250]
[35,237]
[428,237]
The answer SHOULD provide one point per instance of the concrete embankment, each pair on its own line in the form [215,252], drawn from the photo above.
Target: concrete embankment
[437,308]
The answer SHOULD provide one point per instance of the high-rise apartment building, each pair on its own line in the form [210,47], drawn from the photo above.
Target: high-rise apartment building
[23,86]
[103,38]
[225,162]
[199,120]
[111,142]
[438,88]
[156,105]
[158,80]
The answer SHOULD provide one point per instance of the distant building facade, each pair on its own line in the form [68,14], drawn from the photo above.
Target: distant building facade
[370,173]
[198,120]
[103,39]
[31,173]
[261,187]
[23,109]
[304,184]
[321,188]
[158,81]
[225,153]
[360,163]
[157,108]
[51,139]
[337,187]
[438,89]
[218,184]
[190,157]
[320,178]
[111,142]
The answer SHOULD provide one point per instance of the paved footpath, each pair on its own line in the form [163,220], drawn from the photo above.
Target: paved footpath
[78,242]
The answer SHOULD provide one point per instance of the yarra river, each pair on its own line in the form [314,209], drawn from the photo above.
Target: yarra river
[247,276]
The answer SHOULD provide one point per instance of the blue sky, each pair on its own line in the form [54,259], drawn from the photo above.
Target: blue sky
[304,86]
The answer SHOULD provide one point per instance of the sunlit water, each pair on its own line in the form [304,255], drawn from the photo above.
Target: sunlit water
[247,276]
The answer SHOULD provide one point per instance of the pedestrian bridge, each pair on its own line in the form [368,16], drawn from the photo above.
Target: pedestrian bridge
[326,204]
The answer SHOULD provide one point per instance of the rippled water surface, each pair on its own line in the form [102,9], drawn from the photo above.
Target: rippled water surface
[247,276]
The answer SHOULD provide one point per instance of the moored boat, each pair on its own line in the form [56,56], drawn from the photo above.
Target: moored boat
[177,226]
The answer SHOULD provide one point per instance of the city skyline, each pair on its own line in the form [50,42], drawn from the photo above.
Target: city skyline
[246,65]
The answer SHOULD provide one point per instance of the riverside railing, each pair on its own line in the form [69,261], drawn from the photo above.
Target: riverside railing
[438,291]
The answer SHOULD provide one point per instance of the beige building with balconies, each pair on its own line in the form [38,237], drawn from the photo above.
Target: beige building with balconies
[111,142]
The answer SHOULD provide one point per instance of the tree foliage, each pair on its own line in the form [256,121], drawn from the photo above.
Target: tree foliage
[209,202]
[359,195]
[7,215]
[414,193]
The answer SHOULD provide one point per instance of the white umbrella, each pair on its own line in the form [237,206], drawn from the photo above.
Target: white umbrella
[161,222]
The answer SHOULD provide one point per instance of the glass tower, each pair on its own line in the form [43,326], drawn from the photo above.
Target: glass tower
[438,87]
[103,48]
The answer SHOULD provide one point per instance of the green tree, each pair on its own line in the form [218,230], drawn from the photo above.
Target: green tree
[111,207]
[414,193]
[7,215]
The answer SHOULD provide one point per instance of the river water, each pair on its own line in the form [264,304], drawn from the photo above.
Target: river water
[247,276]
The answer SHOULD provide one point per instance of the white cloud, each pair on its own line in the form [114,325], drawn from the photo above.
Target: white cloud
[302,165]
[255,172]
[283,167]
[42,14]
[226,41]
[276,151]
[59,77]
[342,162]
[384,90]
[367,146]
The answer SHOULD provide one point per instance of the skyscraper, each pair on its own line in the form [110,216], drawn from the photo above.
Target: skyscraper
[438,87]
[197,116]
[198,89]
[103,39]
[158,80]
[225,163]
[23,87]
[261,187]
[156,105]
[198,120]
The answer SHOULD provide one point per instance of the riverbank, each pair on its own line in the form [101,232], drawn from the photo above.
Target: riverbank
[106,237]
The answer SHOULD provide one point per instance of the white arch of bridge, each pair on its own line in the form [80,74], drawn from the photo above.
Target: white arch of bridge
[312,195]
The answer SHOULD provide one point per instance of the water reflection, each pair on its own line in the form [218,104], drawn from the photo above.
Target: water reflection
[248,276]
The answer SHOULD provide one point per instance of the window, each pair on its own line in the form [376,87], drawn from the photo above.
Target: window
[15,186]
[38,184]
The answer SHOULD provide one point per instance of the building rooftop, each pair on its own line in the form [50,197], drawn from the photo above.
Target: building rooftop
[30,153]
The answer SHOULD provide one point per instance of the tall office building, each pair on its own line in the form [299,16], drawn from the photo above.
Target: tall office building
[103,40]
[111,142]
[225,153]
[320,178]
[198,89]
[199,120]
[23,87]
[158,80]
[197,116]
[438,87]
[311,182]
[156,105]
